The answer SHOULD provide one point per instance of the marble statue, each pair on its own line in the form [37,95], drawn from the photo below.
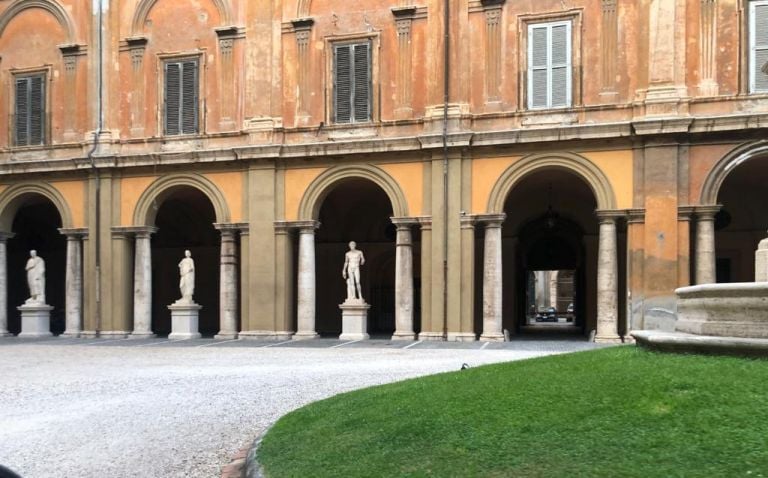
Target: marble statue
[35,279]
[187,278]
[353,259]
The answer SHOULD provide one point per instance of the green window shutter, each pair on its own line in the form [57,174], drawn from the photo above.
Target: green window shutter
[189,99]
[362,83]
[29,124]
[343,84]
[172,98]
[759,45]
[21,127]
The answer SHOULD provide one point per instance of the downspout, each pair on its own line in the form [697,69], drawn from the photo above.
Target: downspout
[91,159]
[446,97]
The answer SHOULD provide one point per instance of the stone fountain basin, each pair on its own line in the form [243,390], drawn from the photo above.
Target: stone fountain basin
[724,310]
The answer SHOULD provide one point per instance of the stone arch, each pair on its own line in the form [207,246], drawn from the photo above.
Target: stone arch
[14,197]
[737,156]
[309,208]
[146,210]
[145,6]
[581,166]
[51,6]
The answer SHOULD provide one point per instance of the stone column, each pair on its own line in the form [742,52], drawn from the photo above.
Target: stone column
[228,282]
[142,283]
[74,282]
[492,280]
[4,236]
[403,281]
[306,289]
[607,279]
[705,244]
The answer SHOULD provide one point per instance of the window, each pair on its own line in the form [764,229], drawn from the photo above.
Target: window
[181,97]
[549,65]
[352,83]
[29,121]
[758,46]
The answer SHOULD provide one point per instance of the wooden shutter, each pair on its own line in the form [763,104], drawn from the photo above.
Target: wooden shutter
[172,98]
[759,45]
[352,83]
[538,63]
[22,112]
[29,124]
[342,91]
[560,84]
[189,89]
[549,65]
[181,97]
[362,83]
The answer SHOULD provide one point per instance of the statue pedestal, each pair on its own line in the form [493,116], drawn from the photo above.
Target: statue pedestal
[184,321]
[354,320]
[35,320]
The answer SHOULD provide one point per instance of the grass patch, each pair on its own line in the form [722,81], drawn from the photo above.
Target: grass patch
[613,412]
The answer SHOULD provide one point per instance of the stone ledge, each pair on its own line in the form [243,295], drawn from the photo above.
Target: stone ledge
[678,342]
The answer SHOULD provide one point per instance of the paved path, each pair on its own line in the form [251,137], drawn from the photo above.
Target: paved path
[155,408]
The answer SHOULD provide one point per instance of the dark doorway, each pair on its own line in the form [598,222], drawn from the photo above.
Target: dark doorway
[36,227]
[185,221]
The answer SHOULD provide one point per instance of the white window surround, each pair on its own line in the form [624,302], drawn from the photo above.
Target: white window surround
[549,66]
[758,46]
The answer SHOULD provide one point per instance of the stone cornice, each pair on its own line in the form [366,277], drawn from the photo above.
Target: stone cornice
[128,231]
[74,232]
[231,226]
[490,220]
[300,225]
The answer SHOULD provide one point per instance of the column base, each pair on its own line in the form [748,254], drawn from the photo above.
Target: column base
[6,334]
[184,321]
[115,334]
[88,334]
[461,337]
[607,339]
[225,336]
[305,336]
[264,335]
[142,335]
[35,320]
[403,336]
[492,338]
[432,337]
[69,335]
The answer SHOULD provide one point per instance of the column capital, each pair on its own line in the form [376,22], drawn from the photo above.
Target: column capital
[73,234]
[404,222]
[468,221]
[707,212]
[635,216]
[302,226]
[610,215]
[138,231]
[685,213]
[426,223]
[490,220]
[4,236]
[231,227]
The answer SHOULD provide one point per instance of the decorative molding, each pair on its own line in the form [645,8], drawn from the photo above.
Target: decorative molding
[609,34]
[303,29]
[50,6]
[403,26]
[145,6]
[14,197]
[708,48]
[492,50]
[146,207]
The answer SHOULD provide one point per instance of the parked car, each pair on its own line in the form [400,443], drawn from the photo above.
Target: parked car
[547,315]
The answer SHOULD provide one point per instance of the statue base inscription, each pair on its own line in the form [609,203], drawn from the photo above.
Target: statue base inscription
[184,321]
[354,320]
[35,320]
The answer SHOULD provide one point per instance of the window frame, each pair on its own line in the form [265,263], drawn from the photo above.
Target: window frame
[752,67]
[162,60]
[374,44]
[549,25]
[16,74]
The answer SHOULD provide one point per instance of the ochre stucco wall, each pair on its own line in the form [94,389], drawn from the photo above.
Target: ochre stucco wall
[410,178]
[74,194]
[296,183]
[485,173]
[231,186]
[131,190]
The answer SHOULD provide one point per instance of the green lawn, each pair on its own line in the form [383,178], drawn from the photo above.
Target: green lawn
[612,412]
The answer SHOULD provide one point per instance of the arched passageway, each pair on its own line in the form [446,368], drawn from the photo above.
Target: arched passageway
[357,210]
[184,221]
[35,226]
[743,220]
[550,241]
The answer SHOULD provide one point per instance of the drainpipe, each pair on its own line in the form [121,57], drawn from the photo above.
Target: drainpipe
[91,159]
[446,97]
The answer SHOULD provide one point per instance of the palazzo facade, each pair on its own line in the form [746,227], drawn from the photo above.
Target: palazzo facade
[467,146]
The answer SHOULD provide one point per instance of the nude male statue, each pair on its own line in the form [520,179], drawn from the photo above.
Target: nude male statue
[353,259]
[35,278]
[187,277]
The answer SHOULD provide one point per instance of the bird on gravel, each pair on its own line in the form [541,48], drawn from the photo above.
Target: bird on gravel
[464,366]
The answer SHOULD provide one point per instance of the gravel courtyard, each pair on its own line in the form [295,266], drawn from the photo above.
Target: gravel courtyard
[154,408]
